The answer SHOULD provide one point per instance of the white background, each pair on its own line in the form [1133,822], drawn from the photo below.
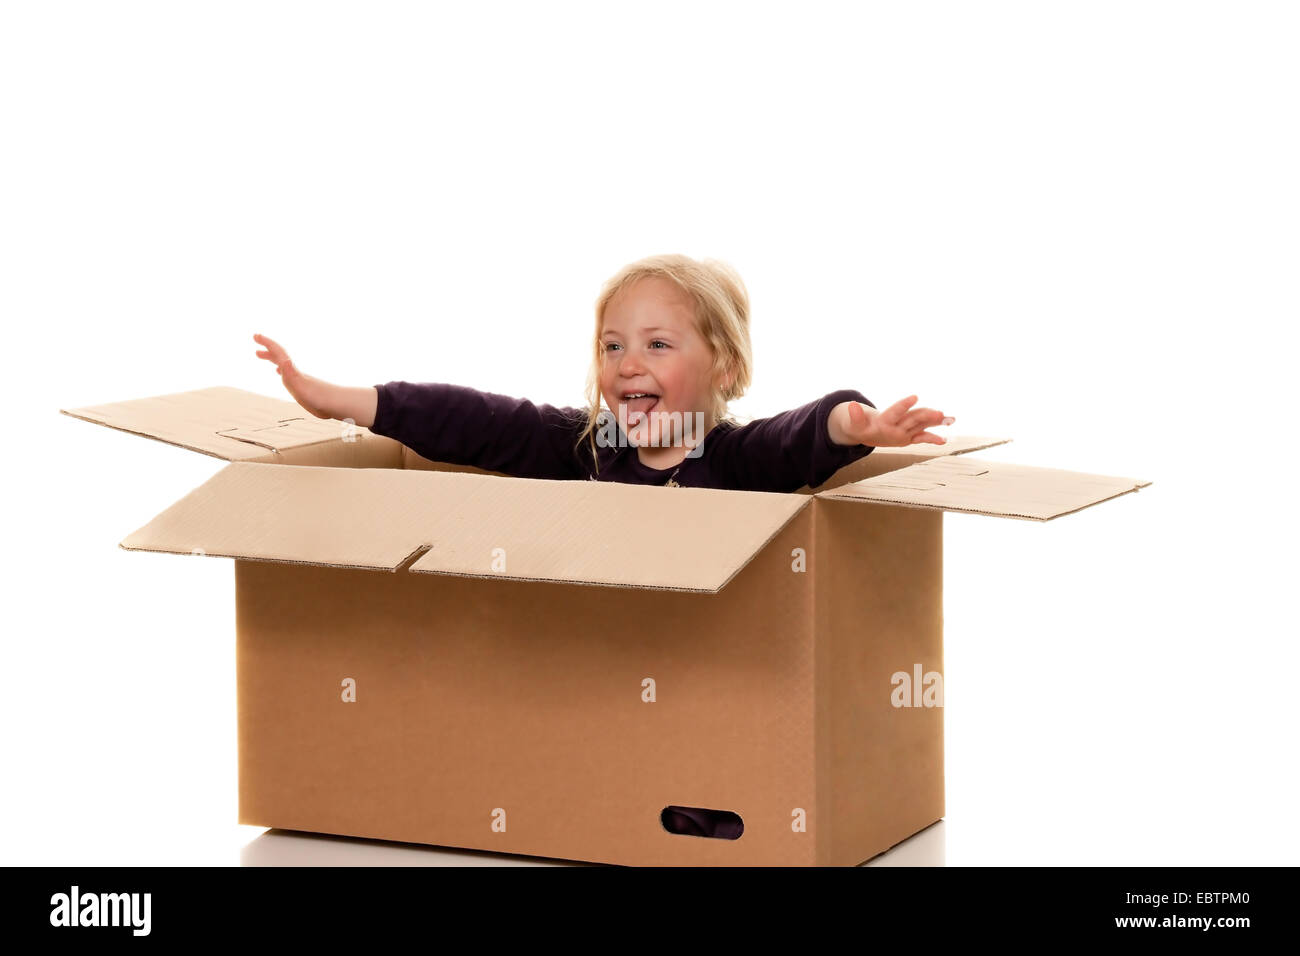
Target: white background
[1074,225]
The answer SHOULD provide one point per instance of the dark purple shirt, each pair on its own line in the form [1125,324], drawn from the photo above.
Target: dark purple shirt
[464,426]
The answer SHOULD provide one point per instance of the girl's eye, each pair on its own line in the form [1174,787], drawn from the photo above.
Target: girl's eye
[612,345]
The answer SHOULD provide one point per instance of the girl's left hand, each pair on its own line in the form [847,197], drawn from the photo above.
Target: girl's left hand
[895,426]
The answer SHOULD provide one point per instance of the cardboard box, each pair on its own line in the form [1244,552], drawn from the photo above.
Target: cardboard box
[436,654]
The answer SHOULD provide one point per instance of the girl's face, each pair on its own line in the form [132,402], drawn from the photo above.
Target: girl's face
[651,346]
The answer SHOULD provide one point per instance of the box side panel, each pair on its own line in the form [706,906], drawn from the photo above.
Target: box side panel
[553,720]
[879,639]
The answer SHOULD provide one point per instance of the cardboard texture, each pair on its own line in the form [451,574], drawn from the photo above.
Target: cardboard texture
[437,654]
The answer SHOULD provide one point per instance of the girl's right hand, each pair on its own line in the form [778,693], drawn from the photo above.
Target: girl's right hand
[307,391]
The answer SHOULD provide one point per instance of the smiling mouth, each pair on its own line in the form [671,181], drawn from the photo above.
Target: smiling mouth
[643,403]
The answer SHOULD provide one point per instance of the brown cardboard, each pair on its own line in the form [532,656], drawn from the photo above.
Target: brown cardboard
[498,637]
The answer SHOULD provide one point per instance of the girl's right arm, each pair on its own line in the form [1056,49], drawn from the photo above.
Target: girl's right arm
[447,423]
[323,399]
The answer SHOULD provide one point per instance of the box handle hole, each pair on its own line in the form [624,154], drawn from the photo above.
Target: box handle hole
[701,822]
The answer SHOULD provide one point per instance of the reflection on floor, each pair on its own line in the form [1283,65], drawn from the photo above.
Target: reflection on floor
[294,848]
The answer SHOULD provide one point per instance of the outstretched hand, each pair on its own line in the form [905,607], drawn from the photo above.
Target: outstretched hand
[895,426]
[306,390]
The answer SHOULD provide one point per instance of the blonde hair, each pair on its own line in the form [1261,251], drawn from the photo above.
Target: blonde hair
[721,311]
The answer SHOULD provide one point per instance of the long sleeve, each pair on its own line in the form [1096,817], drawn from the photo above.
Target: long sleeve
[464,426]
[787,451]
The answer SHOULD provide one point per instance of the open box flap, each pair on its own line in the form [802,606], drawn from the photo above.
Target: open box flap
[582,532]
[882,460]
[954,445]
[985,487]
[226,423]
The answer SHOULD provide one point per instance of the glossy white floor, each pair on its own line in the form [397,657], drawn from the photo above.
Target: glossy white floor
[285,848]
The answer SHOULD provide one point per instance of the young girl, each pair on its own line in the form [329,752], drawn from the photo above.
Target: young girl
[671,349]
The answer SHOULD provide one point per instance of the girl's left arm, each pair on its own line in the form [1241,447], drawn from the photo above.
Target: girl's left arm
[786,451]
